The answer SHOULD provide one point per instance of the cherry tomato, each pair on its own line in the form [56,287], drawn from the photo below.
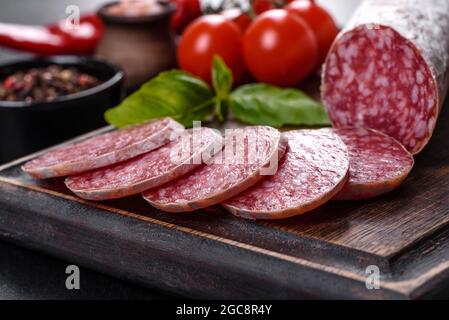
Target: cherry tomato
[207,36]
[186,11]
[280,48]
[260,6]
[321,22]
[242,19]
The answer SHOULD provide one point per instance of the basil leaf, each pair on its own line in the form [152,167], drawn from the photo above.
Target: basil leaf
[175,94]
[222,82]
[264,104]
[221,77]
[221,110]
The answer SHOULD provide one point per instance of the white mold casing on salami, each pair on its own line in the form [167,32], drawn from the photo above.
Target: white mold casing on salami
[103,150]
[248,154]
[388,69]
[149,170]
[314,169]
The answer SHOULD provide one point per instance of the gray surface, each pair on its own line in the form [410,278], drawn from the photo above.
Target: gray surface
[25,274]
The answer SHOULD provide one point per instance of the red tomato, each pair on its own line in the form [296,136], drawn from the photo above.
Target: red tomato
[242,19]
[186,11]
[207,36]
[321,22]
[280,48]
[260,6]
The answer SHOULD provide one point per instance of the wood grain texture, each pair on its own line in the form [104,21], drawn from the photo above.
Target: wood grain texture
[213,254]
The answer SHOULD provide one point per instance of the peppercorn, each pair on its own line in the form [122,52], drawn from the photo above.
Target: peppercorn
[45,84]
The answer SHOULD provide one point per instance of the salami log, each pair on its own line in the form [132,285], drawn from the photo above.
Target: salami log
[388,70]
[149,170]
[314,169]
[103,150]
[378,164]
[248,154]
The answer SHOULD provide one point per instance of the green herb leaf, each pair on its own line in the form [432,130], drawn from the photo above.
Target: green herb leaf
[221,110]
[175,94]
[221,77]
[222,82]
[263,104]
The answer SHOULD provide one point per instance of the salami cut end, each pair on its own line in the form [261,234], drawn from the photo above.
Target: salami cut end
[103,150]
[248,155]
[314,169]
[149,170]
[389,69]
[376,78]
[378,164]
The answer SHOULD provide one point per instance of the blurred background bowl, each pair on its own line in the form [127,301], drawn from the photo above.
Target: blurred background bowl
[28,127]
[143,46]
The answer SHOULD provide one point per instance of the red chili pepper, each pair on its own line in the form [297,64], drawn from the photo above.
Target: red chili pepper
[55,39]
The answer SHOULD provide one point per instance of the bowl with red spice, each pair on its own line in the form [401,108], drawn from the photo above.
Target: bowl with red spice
[44,101]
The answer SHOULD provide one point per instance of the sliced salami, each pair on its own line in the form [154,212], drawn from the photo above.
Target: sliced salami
[248,154]
[388,70]
[378,164]
[103,150]
[149,170]
[314,169]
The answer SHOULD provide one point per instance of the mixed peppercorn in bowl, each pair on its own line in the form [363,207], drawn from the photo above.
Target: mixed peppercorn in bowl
[44,101]
[45,84]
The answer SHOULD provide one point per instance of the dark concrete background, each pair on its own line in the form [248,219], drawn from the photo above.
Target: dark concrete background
[26,274]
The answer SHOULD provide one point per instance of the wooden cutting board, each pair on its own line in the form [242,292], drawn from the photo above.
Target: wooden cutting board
[210,254]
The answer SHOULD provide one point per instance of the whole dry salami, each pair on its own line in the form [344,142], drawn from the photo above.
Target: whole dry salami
[103,150]
[149,170]
[248,154]
[388,70]
[314,169]
[378,164]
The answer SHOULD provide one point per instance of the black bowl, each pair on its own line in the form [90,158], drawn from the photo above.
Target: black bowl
[27,127]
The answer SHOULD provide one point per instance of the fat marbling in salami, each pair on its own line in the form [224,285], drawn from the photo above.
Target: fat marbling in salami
[388,69]
[149,170]
[103,150]
[378,164]
[248,155]
[313,171]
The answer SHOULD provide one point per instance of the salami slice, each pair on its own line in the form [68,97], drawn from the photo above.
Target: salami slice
[388,70]
[248,154]
[103,150]
[378,164]
[314,169]
[149,170]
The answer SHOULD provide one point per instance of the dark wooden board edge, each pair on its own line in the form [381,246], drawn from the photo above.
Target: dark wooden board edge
[179,259]
[167,256]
